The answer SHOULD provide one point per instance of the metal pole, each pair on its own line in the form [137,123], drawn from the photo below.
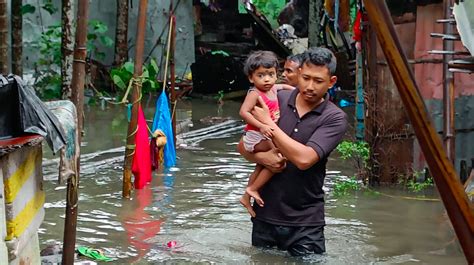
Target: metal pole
[459,209]
[448,89]
[77,85]
[136,95]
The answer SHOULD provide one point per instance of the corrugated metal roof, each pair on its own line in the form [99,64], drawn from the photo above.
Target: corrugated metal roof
[465,23]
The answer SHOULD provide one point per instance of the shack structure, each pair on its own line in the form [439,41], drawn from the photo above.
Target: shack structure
[396,152]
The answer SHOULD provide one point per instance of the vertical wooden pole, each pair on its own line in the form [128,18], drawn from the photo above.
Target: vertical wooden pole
[17,38]
[136,92]
[77,85]
[458,207]
[448,89]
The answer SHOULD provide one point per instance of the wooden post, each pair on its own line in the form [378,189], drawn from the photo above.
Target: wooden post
[136,92]
[77,85]
[448,89]
[458,207]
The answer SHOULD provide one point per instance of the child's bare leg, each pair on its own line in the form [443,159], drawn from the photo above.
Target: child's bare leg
[245,199]
[263,176]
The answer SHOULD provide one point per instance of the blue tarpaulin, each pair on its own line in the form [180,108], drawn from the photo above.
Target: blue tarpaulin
[162,121]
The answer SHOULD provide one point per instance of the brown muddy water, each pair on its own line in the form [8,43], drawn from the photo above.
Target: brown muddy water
[196,205]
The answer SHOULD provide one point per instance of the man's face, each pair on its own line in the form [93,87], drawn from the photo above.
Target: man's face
[314,81]
[290,73]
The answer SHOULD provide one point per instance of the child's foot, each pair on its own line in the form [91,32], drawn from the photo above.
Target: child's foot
[255,195]
[245,201]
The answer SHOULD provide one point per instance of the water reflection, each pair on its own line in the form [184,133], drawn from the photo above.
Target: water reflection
[196,205]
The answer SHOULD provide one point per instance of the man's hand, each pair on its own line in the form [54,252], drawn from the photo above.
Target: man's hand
[267,131]
[272,159]
[262,114]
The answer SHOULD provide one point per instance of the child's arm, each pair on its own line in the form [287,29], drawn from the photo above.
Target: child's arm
[284,87]
[250,101]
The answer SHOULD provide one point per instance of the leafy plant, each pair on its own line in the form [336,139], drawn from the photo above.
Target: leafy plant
[415,186]
[358,152]
[47,67]
[122,75]
[344,187]
[97,35]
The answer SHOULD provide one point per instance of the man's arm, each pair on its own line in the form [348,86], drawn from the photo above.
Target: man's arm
[272,159]
[302,156]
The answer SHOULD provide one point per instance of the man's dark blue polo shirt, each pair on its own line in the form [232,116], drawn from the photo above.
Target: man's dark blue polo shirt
[295,197]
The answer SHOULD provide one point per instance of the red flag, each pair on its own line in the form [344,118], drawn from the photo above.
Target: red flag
[141,165]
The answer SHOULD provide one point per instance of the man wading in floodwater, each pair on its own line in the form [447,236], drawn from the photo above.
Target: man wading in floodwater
[310,127]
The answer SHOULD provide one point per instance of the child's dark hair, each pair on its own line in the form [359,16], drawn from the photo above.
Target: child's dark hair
[266,59]
[321,56]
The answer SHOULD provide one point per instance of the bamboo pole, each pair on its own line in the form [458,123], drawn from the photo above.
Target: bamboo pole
[77,85]
[458,207]
[448,89]
[173,76]
[136,95]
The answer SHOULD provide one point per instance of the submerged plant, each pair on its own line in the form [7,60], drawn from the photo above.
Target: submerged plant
[344,187]
[415,186]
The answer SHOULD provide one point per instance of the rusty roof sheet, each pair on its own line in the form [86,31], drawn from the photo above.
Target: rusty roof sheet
[465,23]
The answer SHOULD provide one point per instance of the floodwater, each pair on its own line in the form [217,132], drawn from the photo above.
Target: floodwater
[195,206]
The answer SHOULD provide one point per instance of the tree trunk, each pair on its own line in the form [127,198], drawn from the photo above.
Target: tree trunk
[314,26]
[67,47]
[3,37]
[17,38]
[121,33]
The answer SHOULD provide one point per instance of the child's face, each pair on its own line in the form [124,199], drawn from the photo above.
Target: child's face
[263,78]
[314,81]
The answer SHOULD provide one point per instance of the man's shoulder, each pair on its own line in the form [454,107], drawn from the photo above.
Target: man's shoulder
[333,109]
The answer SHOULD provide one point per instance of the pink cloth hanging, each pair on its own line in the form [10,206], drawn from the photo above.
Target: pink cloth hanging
[141,165]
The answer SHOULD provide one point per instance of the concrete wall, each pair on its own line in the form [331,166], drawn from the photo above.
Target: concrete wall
[105,11]
[23,199]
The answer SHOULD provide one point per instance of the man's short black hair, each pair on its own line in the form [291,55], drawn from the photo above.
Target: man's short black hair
[266,59]
[297,58]
[321,56]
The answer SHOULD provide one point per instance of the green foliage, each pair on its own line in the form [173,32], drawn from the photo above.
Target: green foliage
[354,150]
[97,35]
[51,86]
[415,186]
[270,8]
[344,187]
[219,96]
[27,9]
[49,7]
[48,65]
[122,75]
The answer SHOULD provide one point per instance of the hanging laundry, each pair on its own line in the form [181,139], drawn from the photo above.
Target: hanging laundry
[162,121]
[141,165]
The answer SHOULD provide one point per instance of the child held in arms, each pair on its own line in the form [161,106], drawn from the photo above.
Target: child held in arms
[261,69]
